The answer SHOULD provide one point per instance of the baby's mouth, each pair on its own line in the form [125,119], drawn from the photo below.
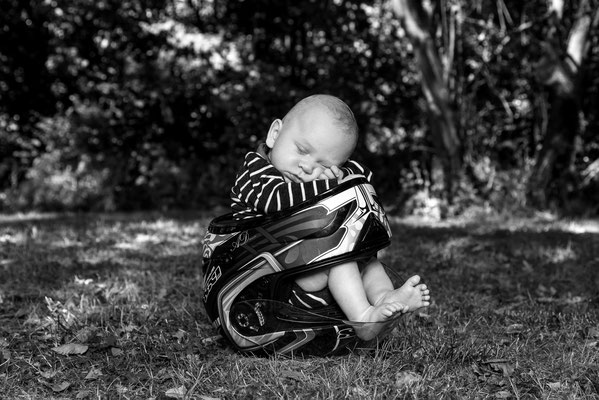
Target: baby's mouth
[293,178]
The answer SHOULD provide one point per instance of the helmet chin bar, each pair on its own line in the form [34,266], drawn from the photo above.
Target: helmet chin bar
[249,265]
[262,265]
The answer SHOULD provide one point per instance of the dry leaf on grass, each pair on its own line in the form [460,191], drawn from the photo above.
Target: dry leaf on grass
[298,376]
[503,394]
[176,393]
[93,373]
[592,332]
[60,387]
[500,365]
[84,394]
[4,356]
[84,334]
[406,378]
[115,351]
[514,329]
[48,374]
[70,348]
[180,334]
[359,392]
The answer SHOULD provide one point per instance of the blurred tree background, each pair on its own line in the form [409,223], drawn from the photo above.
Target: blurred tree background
[151,104]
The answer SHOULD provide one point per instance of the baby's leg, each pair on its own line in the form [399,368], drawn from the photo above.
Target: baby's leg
[345,284]
[376,282]
[313,281]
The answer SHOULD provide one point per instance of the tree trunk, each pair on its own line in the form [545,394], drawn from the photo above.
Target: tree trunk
[444,135]
[561,75]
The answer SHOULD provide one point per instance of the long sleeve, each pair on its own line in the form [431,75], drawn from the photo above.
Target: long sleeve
[354,168]
[260,188]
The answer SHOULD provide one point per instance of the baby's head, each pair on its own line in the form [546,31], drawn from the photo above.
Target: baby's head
[319,131]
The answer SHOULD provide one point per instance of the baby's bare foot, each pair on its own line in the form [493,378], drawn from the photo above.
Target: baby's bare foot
[373,318]
[412,294]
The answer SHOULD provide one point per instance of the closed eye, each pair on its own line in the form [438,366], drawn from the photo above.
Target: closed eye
[302,150]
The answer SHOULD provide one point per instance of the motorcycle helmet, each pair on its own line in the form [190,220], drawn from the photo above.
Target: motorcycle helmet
[250,266]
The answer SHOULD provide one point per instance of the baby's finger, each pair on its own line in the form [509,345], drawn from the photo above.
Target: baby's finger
[329,174]
[337,172]
[313,176]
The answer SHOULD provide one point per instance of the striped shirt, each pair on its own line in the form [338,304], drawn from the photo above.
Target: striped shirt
[261,189]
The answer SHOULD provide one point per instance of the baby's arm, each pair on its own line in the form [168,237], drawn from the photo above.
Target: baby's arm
[274,194]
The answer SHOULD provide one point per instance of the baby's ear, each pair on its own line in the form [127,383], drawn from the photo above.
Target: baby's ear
[273,132]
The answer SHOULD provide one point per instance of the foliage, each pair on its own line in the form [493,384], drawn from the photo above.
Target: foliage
[152,103]
[109,306]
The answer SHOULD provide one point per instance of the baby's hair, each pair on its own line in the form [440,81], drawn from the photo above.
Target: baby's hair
[341,113]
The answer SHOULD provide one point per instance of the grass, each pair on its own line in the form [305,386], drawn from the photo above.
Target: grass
[515,315]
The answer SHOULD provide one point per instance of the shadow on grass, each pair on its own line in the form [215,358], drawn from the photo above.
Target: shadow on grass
[483,256]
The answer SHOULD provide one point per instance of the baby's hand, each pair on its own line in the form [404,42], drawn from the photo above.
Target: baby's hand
[316,174]
[331,173]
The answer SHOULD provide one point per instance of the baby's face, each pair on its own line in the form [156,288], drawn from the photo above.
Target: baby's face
[306,143]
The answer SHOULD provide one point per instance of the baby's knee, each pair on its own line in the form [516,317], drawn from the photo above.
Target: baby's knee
[313,281]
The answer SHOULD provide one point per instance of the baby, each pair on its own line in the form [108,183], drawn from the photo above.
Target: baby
[305,154]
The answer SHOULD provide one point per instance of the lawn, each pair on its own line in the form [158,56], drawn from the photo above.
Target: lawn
[107,306]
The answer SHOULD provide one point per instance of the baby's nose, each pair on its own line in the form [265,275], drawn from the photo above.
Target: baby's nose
[306,166]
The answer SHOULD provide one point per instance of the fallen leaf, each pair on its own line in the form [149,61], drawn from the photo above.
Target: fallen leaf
[176,393]
[115,351]
[406,378]
[554,385]
[293,375]
[359,392]
[4,356]
[48,374]
[84,394]
[60,387]
[85,334]
[70,348]
[162,375]
[514,329]
[503,394]
[210,340]
[180,334]
[121,389]
[592,332]
[501,365]
[93,373]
